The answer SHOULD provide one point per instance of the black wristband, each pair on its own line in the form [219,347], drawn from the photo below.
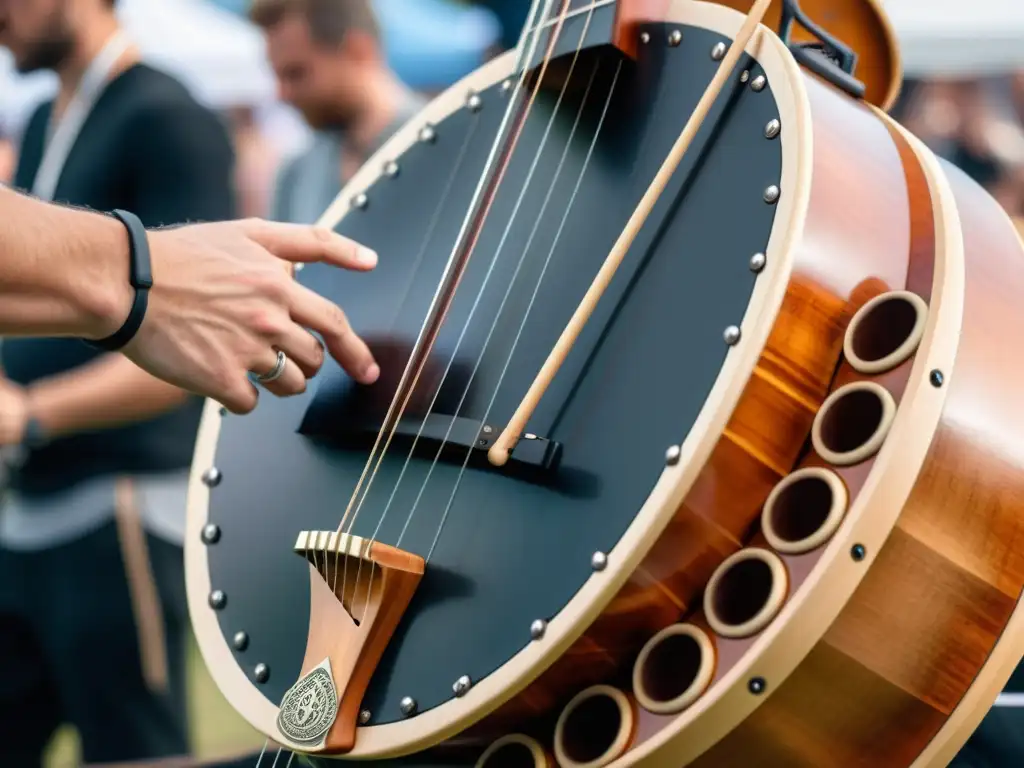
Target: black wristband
[140,275]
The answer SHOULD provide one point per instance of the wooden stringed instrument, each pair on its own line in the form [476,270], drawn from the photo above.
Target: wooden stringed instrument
[698,440]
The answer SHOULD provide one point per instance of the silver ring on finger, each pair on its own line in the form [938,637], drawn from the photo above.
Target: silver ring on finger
[275,373]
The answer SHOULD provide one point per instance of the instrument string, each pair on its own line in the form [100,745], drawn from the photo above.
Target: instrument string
[437,316]
[479,297]
[410,282]
[529,308]
[444,277]
[263,751]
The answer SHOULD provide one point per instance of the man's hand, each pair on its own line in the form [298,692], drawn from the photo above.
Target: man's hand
[14,413]
[224,302]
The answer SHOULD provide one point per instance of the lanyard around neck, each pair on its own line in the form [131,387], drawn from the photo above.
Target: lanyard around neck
[64,133]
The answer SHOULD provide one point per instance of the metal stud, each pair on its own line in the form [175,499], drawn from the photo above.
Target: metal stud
[212,477]
[772,129]
[364,717]
[538,628]
[757,685]
[360,201]
[218,599]
[299,267]
[261,673]
[936,378]
[211,533]
[240,641]
[758,83]
[474,102]
[771,194]
[408,706]
[428,134]
[744,75]
[223,412]
[718,52]
[506,86]
[672,455]
[757,262]
[858,552]
[675,38]
[599,561]
[462,685]
[391,168]
[645,37]
[732,335]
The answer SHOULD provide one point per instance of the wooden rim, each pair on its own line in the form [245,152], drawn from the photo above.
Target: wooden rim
[869,315]
[448,719]
[623,737]
[701,679]
[867,448]
[540,759]
[770,526]
[810,611]
[773,602]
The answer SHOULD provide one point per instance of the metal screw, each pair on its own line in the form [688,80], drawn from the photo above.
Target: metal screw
[936,378]
[771,194]
[506,86]
[672,455]
[772,129]
[757,262]
[732,335]
[240,641]
[758,83]
[211,533]
[858,552]
[361,200]
[218,599]
[364,717]
[718,52]
[744,75]
[599,561]
[407,705]
[460,686]
[645,37]
[299,267]
[391,168]
[475,103]
[223,412]
[212,477]
[488,430]
[537,629]
[262,673]
[675,38]
[428,134]
[757,685]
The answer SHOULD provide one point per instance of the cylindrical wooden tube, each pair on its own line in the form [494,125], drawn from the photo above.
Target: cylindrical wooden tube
[595,728]
[516,750]
[852,423]
[745,593]
[885,332]
[804,510]
[673,669]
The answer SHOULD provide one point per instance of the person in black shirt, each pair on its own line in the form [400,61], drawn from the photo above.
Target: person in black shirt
[92,627]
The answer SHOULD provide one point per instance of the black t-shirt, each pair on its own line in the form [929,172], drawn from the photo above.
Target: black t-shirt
[147,147]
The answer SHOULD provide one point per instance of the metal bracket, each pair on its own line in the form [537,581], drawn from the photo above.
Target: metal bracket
[829,58]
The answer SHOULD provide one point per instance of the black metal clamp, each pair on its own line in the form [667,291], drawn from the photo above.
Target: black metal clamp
[828,58]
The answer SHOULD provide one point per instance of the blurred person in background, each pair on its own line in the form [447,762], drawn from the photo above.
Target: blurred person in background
[93,616]
[330,65]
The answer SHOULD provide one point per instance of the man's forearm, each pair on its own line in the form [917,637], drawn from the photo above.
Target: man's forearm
[109,392]
[63,272]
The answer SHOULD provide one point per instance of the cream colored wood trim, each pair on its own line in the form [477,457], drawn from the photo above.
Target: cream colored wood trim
[896,84]
[906,348]
[448,719]
[815,606]
[540,758]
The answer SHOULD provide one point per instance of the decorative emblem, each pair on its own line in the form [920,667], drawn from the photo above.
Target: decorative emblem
[309,707]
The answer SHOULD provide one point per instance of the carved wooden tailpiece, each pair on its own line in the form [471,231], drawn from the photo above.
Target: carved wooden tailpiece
[359,591]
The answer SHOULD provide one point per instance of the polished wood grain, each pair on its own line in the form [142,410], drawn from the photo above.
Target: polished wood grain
[352,627]
[861,25]
[903,652]
[857,243]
